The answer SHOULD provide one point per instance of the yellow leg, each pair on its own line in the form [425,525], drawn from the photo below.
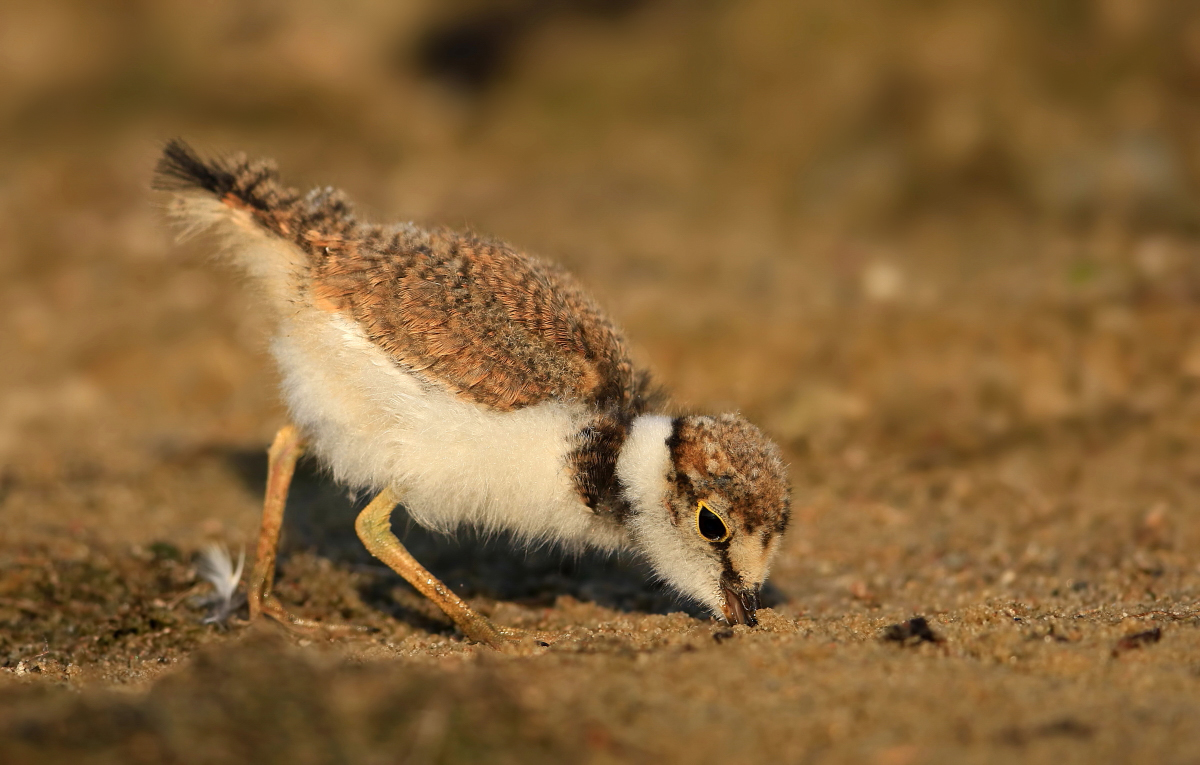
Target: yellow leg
[374,529]
[281,465]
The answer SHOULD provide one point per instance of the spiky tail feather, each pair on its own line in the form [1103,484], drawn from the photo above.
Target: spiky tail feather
[235,181]
[253,187]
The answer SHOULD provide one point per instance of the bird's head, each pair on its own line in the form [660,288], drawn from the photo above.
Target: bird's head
[710,503]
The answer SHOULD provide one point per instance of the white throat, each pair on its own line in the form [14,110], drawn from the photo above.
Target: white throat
[644,461]
[642,469]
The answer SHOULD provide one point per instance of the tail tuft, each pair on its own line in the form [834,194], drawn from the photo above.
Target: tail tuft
[252,184]
[180,168]
[233,193]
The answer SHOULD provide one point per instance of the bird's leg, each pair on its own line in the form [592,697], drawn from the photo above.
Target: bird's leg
[281,465]
[374,527]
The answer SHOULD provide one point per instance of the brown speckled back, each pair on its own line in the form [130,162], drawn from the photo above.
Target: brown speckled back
[491,324]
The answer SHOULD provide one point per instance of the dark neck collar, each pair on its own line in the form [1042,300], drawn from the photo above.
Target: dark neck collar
[593,464]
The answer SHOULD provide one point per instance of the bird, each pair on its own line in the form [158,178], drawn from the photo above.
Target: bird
[478,387]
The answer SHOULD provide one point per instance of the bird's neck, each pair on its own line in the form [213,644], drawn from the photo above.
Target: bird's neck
[644,461]
[620,464]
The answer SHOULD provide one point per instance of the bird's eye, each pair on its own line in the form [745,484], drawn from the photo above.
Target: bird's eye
[709,524]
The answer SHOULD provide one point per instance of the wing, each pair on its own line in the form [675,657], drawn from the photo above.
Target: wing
[491,324]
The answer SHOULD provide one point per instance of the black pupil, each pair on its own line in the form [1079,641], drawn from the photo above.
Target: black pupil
[712,527]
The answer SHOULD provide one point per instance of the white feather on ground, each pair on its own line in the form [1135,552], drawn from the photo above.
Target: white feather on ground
[215,566]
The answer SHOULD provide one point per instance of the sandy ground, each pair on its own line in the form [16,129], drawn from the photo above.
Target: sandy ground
[949,257]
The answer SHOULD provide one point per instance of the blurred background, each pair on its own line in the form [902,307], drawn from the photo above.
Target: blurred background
[946,252]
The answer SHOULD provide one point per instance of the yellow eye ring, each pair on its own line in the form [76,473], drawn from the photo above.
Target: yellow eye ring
[709,524]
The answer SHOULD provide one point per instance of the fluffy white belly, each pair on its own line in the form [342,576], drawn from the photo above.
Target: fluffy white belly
[452,462]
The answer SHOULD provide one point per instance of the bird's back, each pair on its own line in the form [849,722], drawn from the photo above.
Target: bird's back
[493,325]
[490,324]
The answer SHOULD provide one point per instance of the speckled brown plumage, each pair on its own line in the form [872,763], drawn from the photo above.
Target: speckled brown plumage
[729,456]
[496,326]
[491,324]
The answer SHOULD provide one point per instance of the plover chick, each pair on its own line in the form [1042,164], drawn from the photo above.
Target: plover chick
[477,386]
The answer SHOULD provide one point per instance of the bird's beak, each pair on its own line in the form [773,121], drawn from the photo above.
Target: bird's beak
[740,604]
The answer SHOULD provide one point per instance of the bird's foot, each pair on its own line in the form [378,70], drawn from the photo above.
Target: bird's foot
[480,629]
[274,610]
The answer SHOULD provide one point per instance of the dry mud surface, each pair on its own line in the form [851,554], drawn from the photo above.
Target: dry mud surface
[961,286]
